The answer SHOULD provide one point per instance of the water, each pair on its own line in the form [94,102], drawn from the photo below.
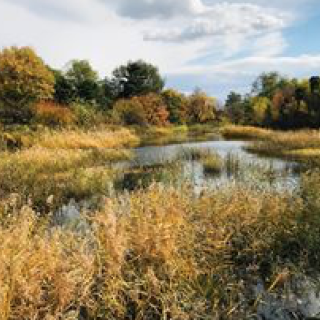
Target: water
[159,164]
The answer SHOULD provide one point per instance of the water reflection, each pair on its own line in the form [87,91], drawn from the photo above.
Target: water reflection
[179,164]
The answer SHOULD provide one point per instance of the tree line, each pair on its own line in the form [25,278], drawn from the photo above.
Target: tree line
[135,94]
[278,102]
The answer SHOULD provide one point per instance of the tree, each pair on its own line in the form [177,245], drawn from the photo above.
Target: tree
[143,110]
[201,108]
[24,80]
[267,84]
[108,93]
[84,79]
[65,91]
[234,107]
[176,104]
[136,79]
[315,85]
[80,71]
[261,105]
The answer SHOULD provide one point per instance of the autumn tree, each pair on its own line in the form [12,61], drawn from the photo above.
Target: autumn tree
[24,80]
[261,105]
[201,108]
[142,110]
[176,103]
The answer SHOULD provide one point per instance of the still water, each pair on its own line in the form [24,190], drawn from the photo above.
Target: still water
[168,163]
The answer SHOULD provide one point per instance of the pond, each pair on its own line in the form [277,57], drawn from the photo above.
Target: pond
[173,164]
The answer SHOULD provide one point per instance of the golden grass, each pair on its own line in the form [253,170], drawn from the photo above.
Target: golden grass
[176,134]
[155,254]
[95,139]
[58,162]
[39,173]
[245,132]
[212,164]
[301,145]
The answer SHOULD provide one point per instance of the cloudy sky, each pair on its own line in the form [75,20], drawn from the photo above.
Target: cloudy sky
[216,45]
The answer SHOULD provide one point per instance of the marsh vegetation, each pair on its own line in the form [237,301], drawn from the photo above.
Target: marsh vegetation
[120,199]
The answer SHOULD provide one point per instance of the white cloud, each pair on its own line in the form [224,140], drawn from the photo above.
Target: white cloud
[271,44]
[249,66]
[144,9]
[222,20]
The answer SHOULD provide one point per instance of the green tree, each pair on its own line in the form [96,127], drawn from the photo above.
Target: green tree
[24,80]
[65,91]
[108,93]
[267,84]
[176,104]
[84,79]
[136,79]
[234,107]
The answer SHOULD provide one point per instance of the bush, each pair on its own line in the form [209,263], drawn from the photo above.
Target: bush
[144,110]
[86,115]
[128,112]
[52,114]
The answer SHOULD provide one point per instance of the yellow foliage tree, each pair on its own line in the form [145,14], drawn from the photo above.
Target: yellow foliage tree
[24,79]
[201,108]
[260,107]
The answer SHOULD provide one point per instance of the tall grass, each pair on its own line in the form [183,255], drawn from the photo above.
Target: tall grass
[303,146]
[95,139]
[64,164]
[245,132]
[158,254]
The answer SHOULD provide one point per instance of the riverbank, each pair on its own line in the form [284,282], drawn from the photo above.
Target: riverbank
[302,146]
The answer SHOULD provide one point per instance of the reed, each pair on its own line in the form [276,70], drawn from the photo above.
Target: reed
[245,133]
[157,253]
[95,139]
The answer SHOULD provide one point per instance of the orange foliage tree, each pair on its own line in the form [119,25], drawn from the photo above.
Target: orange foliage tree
[52,114]
[142,110]
[24,79]
[201,108]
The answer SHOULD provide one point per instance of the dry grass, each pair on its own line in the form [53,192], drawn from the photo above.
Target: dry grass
[177,134]
[245,133]
[57,165]
[212,164]
[302,145]
[156,254]
[96,139]
[39,173]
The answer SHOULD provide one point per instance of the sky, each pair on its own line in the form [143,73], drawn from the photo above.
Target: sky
[214,45]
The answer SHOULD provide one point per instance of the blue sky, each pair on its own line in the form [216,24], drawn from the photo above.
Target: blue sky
[215,45]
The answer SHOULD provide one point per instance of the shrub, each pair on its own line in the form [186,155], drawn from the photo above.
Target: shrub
[129,112]
[144,110]
[52,114]
[86,115]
